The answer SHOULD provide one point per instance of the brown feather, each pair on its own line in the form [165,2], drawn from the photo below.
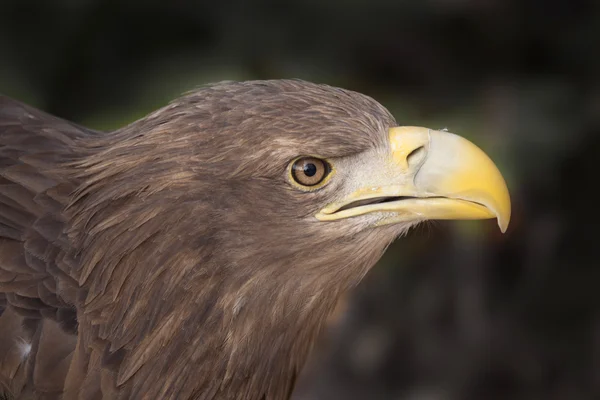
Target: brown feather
[171,258]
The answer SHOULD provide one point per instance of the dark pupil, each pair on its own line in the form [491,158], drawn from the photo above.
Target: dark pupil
[310,169]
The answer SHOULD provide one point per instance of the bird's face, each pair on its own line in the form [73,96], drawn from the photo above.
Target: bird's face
[289,172]
[301,171]
[417,174]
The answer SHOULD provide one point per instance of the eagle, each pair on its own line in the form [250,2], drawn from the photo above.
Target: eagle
[197,252]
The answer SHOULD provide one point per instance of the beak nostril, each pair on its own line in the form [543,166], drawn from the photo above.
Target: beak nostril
[415,156]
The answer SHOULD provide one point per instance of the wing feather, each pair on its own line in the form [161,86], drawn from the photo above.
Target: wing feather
[83,253]
[37,322]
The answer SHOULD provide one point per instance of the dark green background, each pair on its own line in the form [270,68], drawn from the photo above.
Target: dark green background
[456,310]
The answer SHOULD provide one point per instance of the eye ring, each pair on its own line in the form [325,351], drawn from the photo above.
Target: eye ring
[309,173]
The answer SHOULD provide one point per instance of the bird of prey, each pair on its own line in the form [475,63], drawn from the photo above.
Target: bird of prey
[197,252]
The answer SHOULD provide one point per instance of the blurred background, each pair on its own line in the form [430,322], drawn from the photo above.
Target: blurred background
[453,311]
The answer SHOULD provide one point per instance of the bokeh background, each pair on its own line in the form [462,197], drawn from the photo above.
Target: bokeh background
[455,310]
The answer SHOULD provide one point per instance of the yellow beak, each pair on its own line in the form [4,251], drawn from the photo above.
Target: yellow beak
[427,175]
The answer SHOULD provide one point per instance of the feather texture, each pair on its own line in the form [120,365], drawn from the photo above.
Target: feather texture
[170,259]
[35,351]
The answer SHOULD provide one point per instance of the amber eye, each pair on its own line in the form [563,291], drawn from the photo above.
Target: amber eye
[310,171]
